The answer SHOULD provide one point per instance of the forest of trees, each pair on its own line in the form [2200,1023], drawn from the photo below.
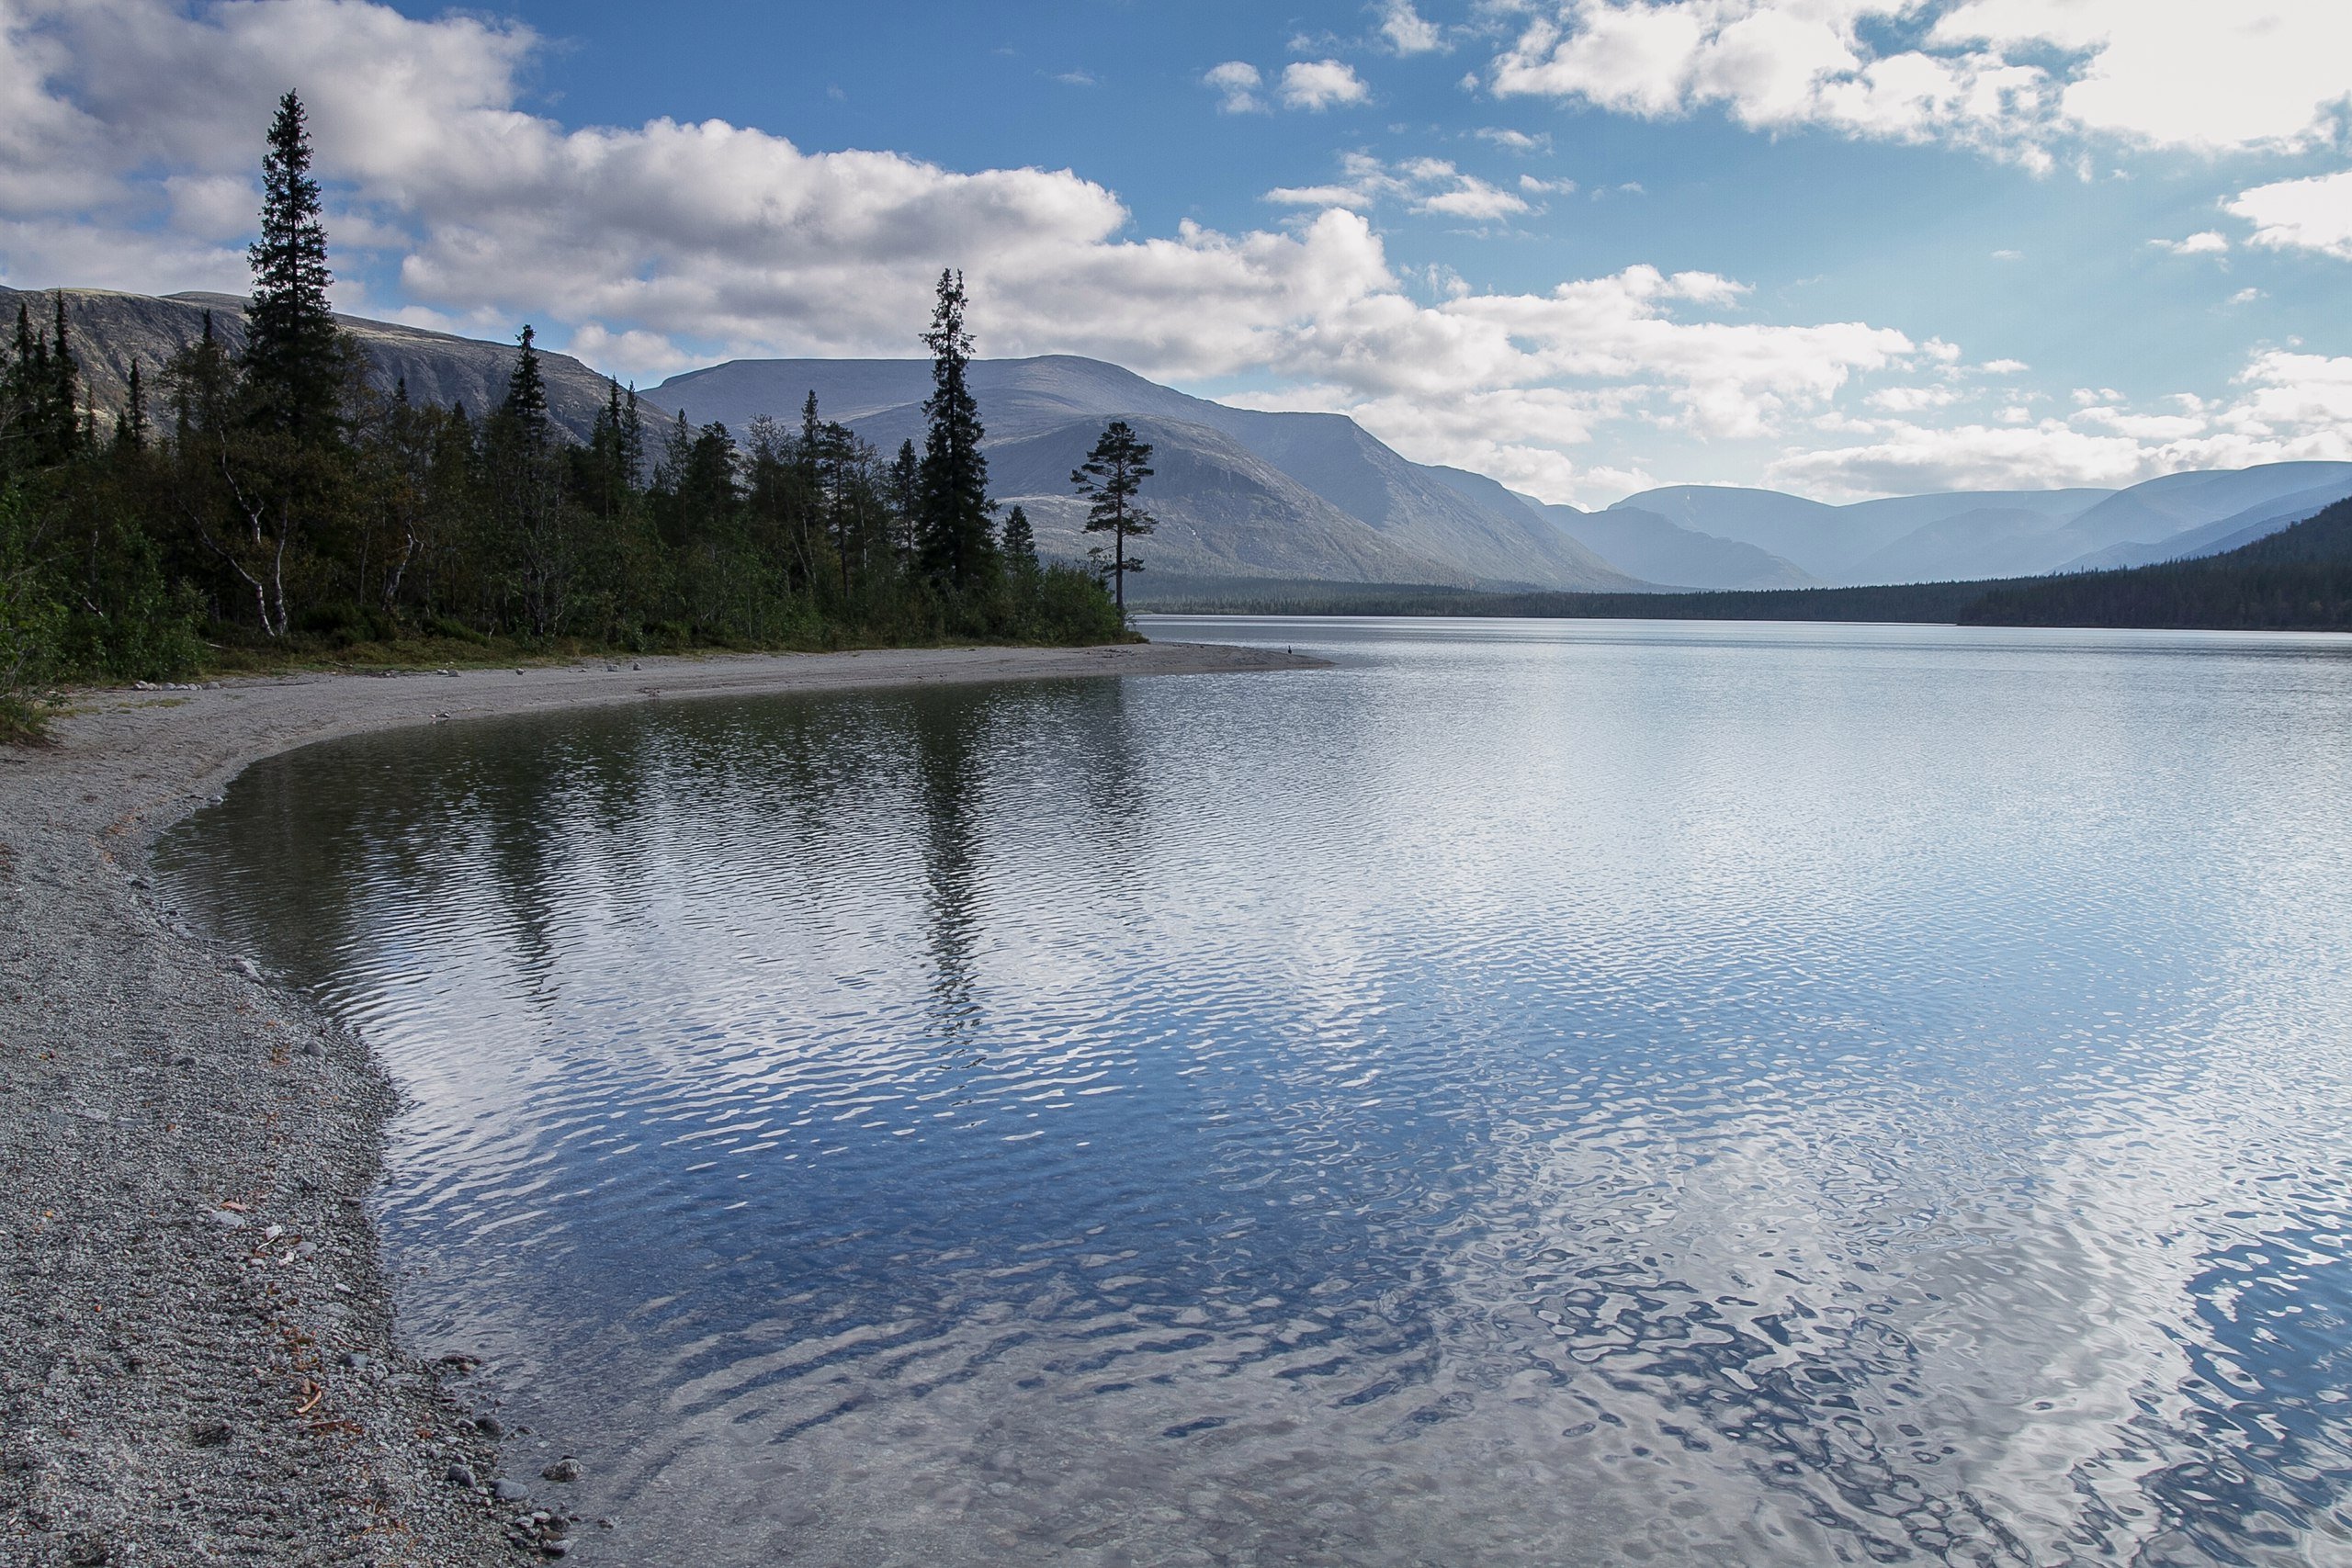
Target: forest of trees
[248,507]
[2297,580]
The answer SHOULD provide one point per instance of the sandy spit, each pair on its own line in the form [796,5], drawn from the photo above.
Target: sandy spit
[197,1361]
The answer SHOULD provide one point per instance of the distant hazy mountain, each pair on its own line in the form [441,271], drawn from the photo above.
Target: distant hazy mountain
[1811,536]
[111,329]
[1942,506]
[1965,535]
[1982,542]
[1222,511]
[1649,547]
[1463,528]
[2258,522]
[2298,577]
[2160,509]
[1904,539]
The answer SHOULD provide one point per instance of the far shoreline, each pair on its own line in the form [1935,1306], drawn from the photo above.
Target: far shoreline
[201,1299]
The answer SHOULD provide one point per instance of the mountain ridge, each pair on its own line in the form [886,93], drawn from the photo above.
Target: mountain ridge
[1483,534]
[1248,493]
[112,330]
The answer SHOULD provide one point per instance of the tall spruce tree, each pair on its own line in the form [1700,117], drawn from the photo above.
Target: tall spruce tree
[527,389]
[294,356]
[955,544]
[526,494]
[604,467]
[200,378]
[64,432]
[1021,548]
[902,487]
[131,426]
[1110,479]
[24,381]
[632,439]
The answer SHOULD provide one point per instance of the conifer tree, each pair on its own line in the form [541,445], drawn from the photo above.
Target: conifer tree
[200,378]
[130,426]
[27,374]
[526,390]
[903,486]
[603,470]
[956,545]
[528,494]
[1021,545]
[632,440]
[1110,479]
[293,359]
[810,426]
[62,425]
[844,491]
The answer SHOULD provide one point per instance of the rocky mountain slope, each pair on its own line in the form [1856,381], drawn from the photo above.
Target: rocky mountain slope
[110,331]
[1476,532]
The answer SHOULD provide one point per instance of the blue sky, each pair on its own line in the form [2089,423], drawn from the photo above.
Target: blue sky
[1841,246]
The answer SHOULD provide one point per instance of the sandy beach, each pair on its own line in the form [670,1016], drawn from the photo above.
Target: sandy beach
[197,1361]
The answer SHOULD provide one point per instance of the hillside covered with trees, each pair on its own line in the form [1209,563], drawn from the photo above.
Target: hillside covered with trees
[2297,580]
[252,505]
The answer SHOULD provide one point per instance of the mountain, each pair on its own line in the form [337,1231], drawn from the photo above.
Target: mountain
[1808,533]
[1984,542]
[110,331]
[1955,535]
[1241,493]
[2217,538]
[1865,542]
[1247,494]
[2157,509]
[2058,506]
[2297,579]
[1981,535]
[2148,518]
[1649,547]
[1465,527]
[1222,511]
[1454,516]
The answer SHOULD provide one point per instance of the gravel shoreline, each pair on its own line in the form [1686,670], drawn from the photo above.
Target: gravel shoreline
[197,1359]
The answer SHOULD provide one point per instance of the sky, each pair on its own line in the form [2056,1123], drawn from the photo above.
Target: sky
[1839,247]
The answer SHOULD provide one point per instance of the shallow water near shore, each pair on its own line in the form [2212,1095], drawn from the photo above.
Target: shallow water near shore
[1533,1093]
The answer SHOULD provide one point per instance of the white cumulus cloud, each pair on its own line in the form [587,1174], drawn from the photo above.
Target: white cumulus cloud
[131,129]
[1320,84]
[2312,214]
[1235,83]
[1431,187]
[2008,76]
[1407,32]
[2287,407]
[1515,141]
[649,247]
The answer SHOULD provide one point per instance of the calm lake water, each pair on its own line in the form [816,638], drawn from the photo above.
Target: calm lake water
[1535,1093]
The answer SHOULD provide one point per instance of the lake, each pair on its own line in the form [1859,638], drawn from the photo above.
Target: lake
[1535,1092]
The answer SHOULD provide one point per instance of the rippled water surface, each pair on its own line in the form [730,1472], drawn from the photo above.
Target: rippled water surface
[1533,1093]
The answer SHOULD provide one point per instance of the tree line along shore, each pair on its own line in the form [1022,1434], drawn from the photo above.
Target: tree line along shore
[245,510]
[2297,580]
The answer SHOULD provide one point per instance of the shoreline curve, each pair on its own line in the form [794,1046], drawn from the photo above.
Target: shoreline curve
[198,1356]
